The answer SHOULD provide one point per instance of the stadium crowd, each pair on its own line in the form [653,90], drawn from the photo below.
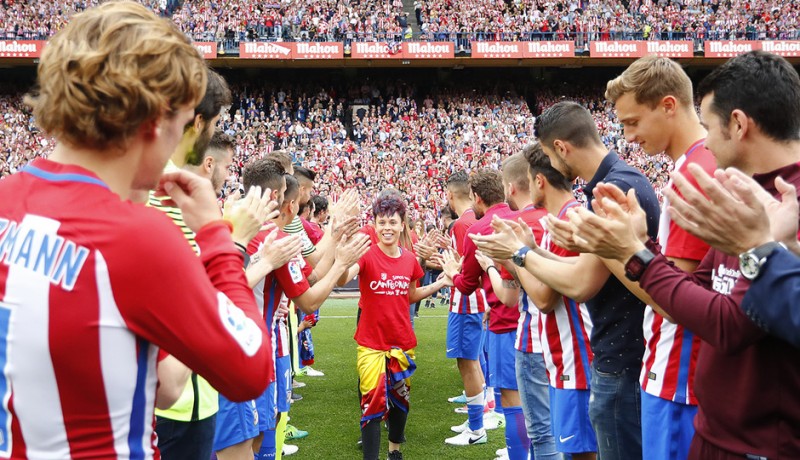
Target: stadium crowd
[610,330]
[460,22]
[370,136]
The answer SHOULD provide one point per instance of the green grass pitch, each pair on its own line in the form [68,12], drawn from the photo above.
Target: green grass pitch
[330,412]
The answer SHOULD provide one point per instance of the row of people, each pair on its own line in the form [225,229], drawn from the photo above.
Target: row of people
[461,22]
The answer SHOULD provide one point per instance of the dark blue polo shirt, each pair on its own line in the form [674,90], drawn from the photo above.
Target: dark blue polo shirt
[617,315]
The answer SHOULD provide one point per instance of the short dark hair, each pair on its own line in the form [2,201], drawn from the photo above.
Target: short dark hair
[539,163]
[220,142]
[305,173]
[567,121]
[458,183]
[387,205]
[265,173]
[762,85]
[217,96]
[320,204]
[282,157]
[292,188]
[487,184]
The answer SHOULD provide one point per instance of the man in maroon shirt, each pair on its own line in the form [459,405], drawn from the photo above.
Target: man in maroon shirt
[747,382]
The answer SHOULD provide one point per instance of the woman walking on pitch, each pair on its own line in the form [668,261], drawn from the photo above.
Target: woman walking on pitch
[386,341]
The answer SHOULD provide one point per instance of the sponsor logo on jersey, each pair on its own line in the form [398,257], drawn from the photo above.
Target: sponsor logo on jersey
[243,329]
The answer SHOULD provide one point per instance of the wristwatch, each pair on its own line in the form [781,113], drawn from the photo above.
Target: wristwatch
[519,257]
[636,265]
[750,262]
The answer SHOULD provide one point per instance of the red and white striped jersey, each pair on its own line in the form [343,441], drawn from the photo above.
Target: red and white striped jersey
[670,355]
[274,291]
[475,302]
[528,324]
[565,332]
[90,288]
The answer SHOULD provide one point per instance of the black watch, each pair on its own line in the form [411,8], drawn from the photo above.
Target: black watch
[519,257]
[636,265]
[750,262]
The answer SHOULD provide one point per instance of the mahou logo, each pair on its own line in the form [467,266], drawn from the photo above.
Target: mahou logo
[376,50]
[731,47]
[319,51]
[617,49]
[550,49]
[670,48]
[497,48]
[430,50]
[493,50]
[715,49]
[16,48]
[264,50]
[782,48]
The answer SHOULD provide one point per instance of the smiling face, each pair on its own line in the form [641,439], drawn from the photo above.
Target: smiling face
[642,124]
[389,229]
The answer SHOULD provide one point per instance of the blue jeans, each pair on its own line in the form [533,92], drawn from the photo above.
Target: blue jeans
[178,440]
[534,393]
[615,409]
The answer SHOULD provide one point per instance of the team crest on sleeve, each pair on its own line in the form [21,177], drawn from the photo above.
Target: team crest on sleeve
[243,329]
[295,271]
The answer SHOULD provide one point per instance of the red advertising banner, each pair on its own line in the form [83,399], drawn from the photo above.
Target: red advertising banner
[617,49]
[547,49]
[497,50]
[318,50]
[207,49]
[730,48]
[671,49]
[785,48]
[21,48]
[375,50]
[265,50]
[429,50]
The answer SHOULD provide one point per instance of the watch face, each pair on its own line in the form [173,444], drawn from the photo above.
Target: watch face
[748,265]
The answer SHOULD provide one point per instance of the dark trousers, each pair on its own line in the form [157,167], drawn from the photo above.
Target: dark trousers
[185,440]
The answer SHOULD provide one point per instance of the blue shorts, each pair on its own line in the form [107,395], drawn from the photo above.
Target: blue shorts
[279,393]
[263,404]
[464,335]
[572,429]
[484,355]
[502,360]
[236,423]
[667,428]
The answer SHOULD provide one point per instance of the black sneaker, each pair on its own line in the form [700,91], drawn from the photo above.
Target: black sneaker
[296,397]
[360,442]
[395,455]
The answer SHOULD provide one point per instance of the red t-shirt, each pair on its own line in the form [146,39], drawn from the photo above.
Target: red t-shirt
[383,282]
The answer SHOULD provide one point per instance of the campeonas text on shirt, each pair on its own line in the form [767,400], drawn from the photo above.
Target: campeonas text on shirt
[394,285]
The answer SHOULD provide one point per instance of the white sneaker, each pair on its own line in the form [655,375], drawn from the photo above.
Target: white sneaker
[502,454]
[461,410]
[311,372]
[289,449]
[460,428]
[492,420]
[467,438]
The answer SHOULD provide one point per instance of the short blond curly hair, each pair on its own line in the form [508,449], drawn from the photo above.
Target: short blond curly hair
[110,70]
